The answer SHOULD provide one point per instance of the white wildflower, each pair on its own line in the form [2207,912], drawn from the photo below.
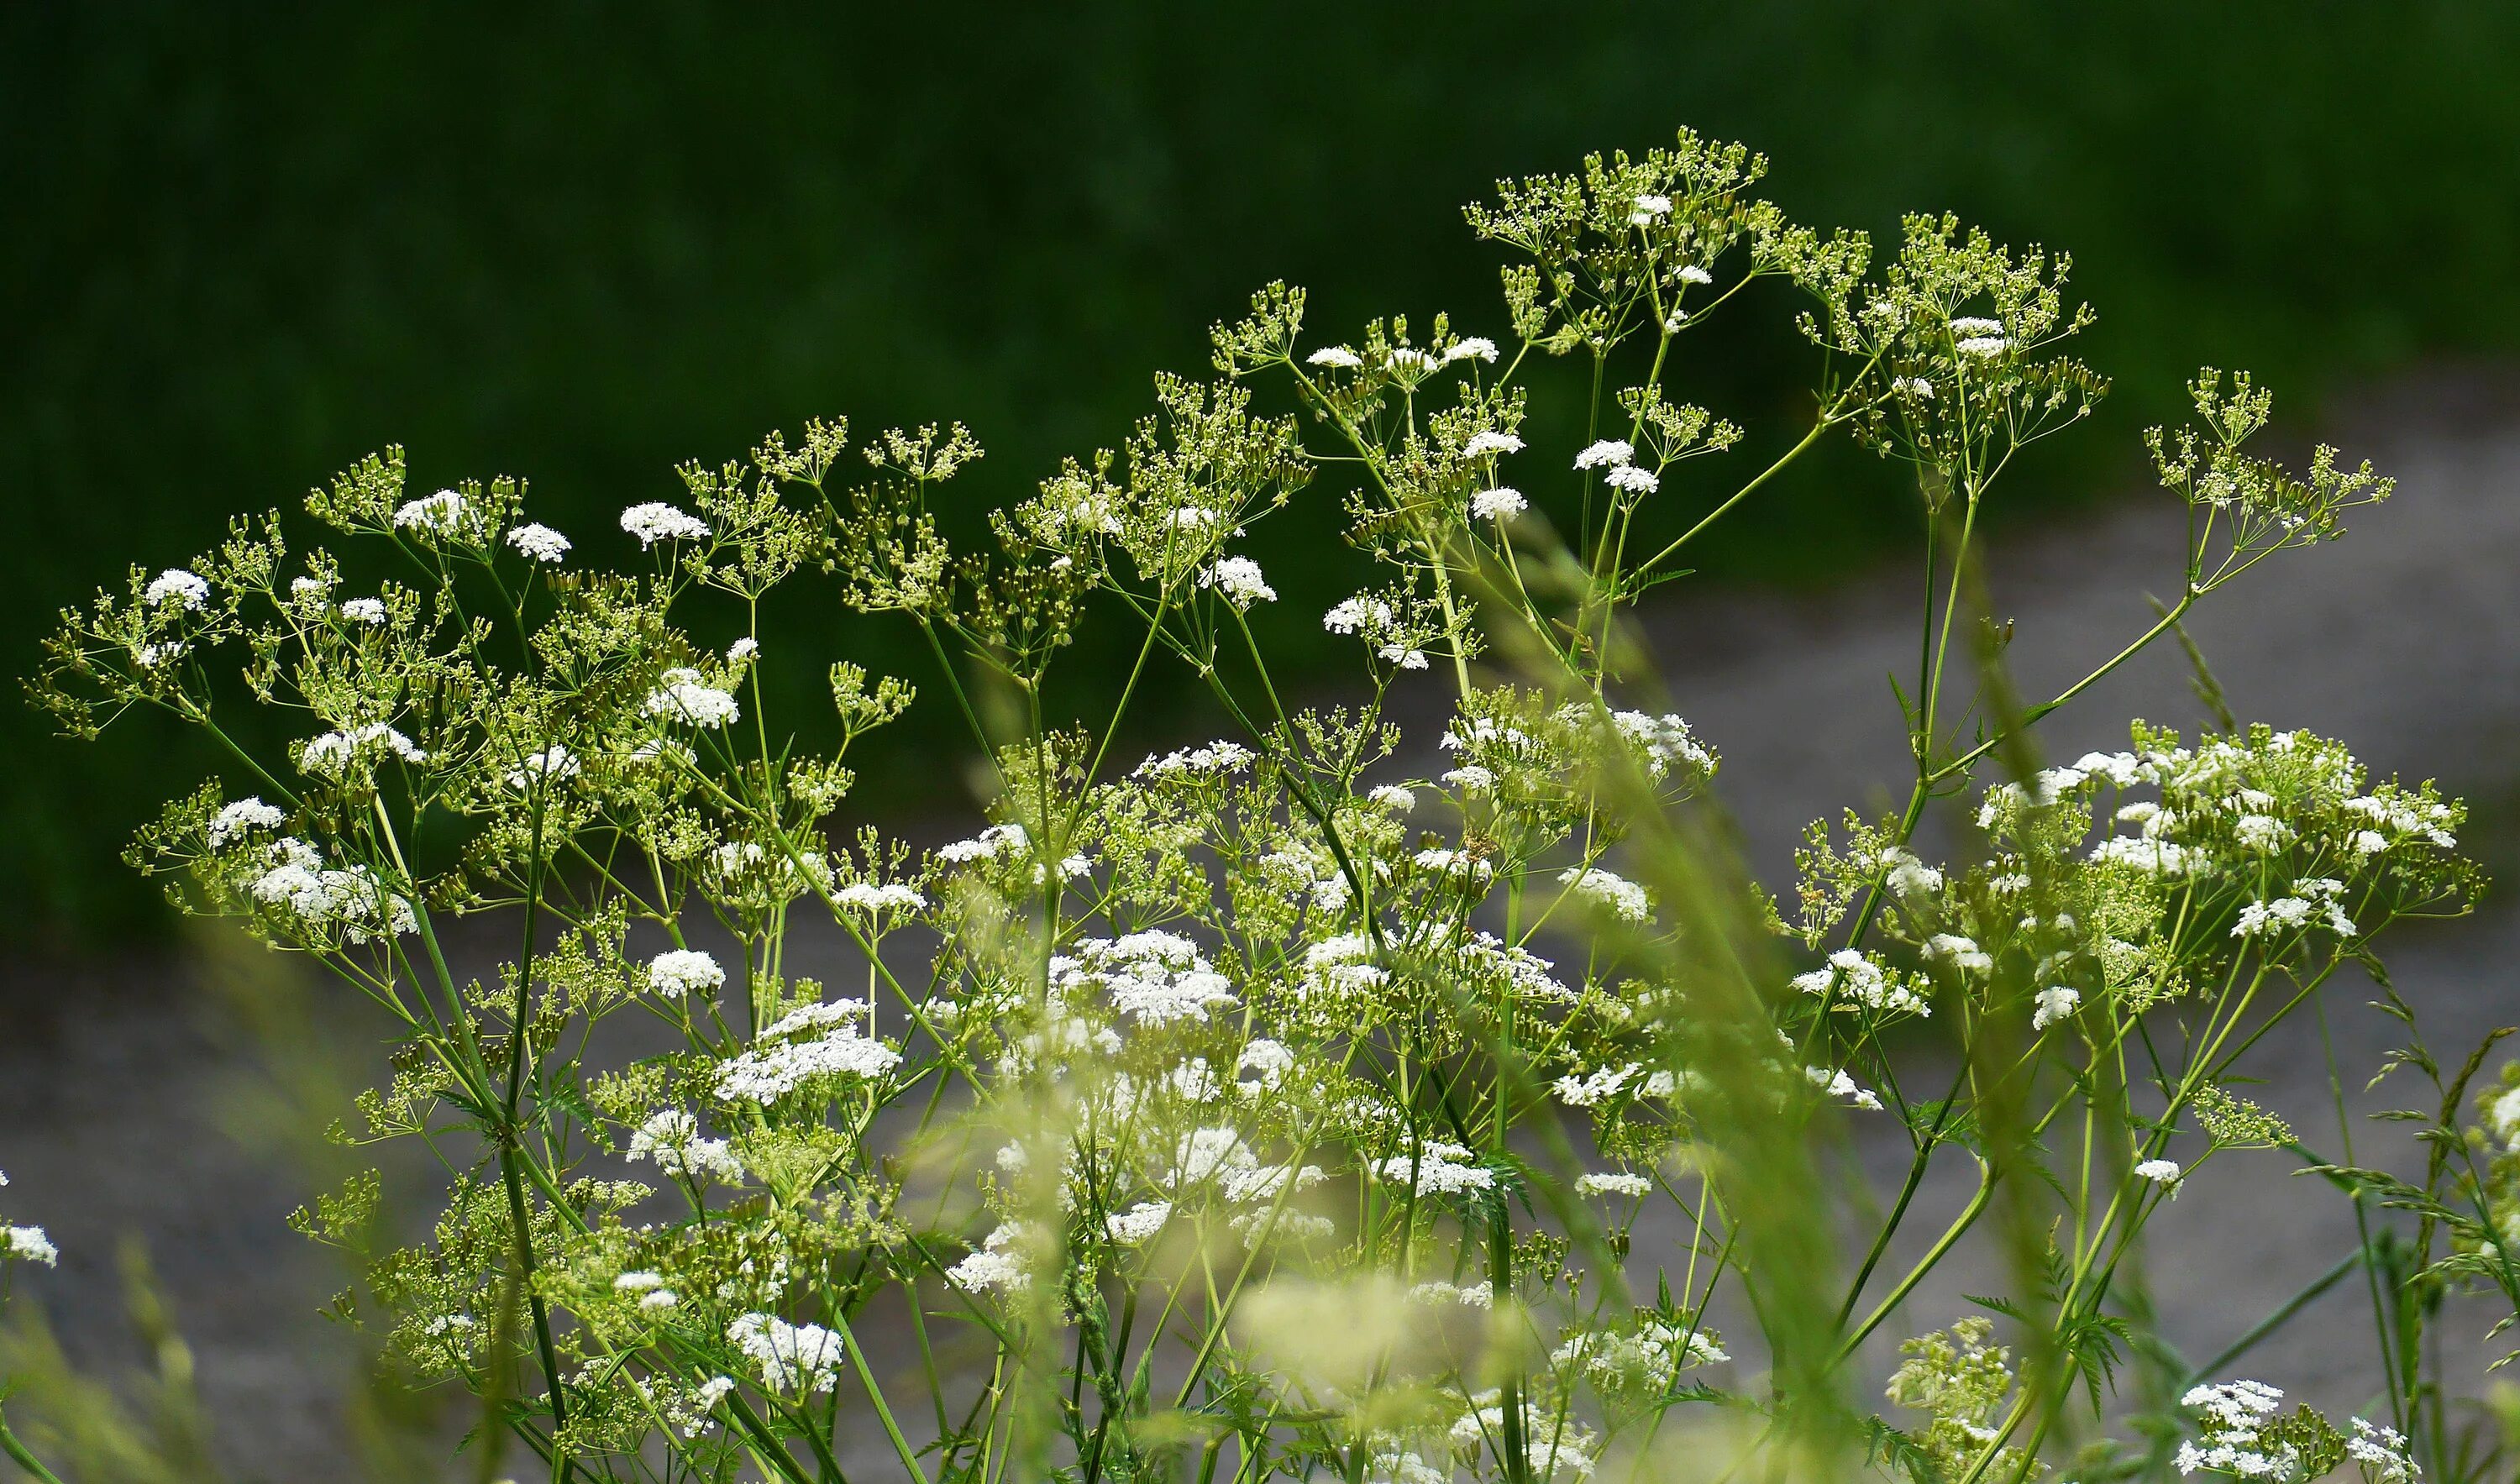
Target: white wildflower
[1501,502]
[2263,832]
[1238,579]
[1908,876]
[1351,614]
[2152,856]
[2261,919]
[234,822]
[766,1075]
[671,1138]
[177,586]
[1959,952]
[1396,797]
[441,511]
[654,522]
[1612,1183]
[1474,348]
[330,754]
[1607,453]
[1135,1225]
[1858,980]
[2382,1453]
[539,543]
[1635,478]
[1622,898]
[2164,1173]
[352,900]
[1490,441]
[1155,979]
[1662,743]
[987,846]
[1271,1060]
[679,695]
[684,971]
[1597,1088]
[792,1358]
[1438,1169]
[1338,357]
[29,1245]
[2055,1004]
[1839,1084]
[555,762]
[877,898]
[1456,863]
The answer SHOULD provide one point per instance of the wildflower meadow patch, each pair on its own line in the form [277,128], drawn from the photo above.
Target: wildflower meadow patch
[1318,1101]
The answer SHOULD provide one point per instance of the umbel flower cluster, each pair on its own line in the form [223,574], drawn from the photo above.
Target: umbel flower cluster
[1319,1101]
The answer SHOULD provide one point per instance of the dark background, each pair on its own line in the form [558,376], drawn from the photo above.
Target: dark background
[580,243]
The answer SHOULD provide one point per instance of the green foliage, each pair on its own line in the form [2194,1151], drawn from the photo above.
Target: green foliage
[1271,1101]
[249,254]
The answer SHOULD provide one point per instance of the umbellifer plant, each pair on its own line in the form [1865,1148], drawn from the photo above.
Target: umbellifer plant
[1317,1101]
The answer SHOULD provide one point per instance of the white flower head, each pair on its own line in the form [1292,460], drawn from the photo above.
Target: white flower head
[684,971]
[1133,1227]
[368,610]
[1501,502]
[539,543]
[1607,453]
[177,586]
[233,822]
[671,1138]
[2055,1004]
[1335,357]
[1612,1184]
[1959,952]
[655,520]
[2164,1173]
[29,1245]
[1634,478]
[1238,578]
[1361,612]
[792,1358]
[1490,441]
[681,696]
[440,512]
[1617,896]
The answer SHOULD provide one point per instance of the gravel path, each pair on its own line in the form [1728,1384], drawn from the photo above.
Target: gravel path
[2400,639]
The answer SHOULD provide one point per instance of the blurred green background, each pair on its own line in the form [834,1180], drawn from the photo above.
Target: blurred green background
[580,243]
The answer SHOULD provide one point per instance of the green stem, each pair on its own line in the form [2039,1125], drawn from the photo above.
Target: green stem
[18,1454]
